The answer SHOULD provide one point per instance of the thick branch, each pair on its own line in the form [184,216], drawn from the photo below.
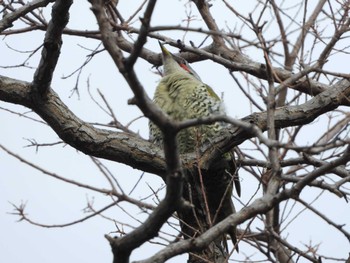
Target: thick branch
[140,154]
[52,46]
[286,116]
[120,147]
[122,247]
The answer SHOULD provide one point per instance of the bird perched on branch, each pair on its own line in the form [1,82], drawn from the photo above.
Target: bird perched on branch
[182,95]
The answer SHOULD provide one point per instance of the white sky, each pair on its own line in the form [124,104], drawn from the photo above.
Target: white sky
[52,202]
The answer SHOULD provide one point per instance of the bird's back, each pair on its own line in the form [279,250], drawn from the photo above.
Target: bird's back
[184,97]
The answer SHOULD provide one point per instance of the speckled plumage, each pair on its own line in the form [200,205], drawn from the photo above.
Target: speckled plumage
[182,95]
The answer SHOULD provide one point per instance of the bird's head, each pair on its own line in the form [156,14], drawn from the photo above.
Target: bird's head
[173,64]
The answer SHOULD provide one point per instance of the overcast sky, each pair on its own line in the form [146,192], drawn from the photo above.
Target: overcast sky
[49,201]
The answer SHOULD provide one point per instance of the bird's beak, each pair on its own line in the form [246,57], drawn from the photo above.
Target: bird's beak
[164,50]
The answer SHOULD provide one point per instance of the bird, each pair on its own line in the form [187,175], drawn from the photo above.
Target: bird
[182,95]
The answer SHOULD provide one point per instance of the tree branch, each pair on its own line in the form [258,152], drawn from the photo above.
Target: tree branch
[52,46]
[141,40]
[122,247]
[259,206]
[304,30]
[7,20]
[286,116]
[116,146]
[203,8]
[141,154]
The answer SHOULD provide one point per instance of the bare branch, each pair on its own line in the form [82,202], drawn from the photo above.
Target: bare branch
[122,247]
[121,197]
[203,8]
[52,46]
[23,217]
[305,29]
[325,218]
[113,146]
[106,144]
[146,20]
[7,20]
[300,45]
[320,171]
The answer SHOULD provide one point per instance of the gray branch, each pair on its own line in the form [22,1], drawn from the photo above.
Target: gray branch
[141,154]
[52,46]
[7,20]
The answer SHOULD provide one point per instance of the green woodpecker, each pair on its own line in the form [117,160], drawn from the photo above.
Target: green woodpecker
[182,95]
